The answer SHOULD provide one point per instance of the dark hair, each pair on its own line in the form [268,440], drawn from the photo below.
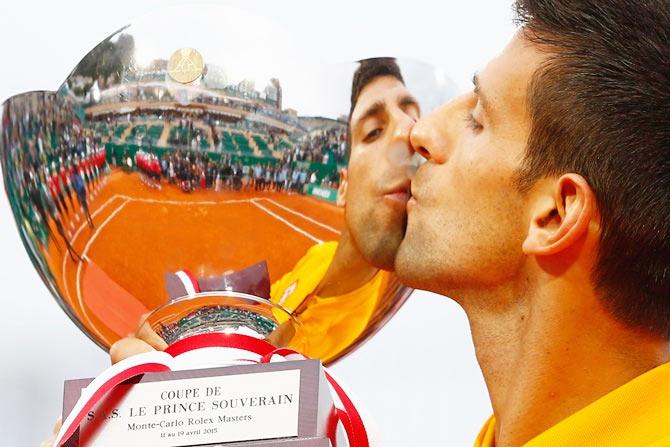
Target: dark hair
[367,71]
[600,107]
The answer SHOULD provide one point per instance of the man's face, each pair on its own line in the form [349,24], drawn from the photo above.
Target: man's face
[467,220]
[377,178]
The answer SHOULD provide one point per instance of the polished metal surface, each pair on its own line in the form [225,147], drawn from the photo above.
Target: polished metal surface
[182,168]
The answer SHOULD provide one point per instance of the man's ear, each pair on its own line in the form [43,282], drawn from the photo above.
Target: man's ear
[342,190]
[560,216]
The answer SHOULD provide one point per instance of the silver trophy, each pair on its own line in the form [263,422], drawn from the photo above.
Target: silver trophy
[198,173]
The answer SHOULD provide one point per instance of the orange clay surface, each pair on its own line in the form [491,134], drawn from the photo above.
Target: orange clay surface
[142,233]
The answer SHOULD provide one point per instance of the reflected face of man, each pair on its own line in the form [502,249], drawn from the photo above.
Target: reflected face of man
[467,218]
[377,178]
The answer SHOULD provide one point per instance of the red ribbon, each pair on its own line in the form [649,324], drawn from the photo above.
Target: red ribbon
[220,340]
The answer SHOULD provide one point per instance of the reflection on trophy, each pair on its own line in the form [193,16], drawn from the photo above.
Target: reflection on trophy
[190,190]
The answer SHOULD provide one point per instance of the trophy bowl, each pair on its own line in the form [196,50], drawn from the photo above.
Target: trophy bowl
[195,173]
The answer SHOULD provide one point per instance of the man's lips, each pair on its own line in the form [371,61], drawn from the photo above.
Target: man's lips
[400,193]
[412,202]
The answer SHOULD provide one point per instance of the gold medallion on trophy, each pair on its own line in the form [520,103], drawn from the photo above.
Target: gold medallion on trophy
[185,65]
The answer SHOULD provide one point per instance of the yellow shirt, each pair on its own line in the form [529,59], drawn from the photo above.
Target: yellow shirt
[635,414]
[292,289]
[330,324]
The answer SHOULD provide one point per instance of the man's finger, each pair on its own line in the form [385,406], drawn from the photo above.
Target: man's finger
[146,333]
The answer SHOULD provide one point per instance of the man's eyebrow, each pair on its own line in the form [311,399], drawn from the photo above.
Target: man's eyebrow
[478,91]
[376,108]
[409,101]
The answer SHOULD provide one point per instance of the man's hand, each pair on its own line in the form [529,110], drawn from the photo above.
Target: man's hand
[128,347]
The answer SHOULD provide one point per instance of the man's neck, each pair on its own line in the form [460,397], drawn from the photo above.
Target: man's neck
[347,271]
[551,353]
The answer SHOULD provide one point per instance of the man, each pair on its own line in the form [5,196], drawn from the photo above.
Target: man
[336,287]
[302,181]
[80,189]
[48,202]
[543,210]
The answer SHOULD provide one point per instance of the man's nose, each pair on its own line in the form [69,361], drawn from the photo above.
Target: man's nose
[430,137]
[403,127]
[398,150]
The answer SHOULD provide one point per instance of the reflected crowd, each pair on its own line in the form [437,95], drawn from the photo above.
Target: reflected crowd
[63,164]
[192,170]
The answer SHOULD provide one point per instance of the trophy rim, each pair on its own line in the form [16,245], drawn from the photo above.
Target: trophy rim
[222,294]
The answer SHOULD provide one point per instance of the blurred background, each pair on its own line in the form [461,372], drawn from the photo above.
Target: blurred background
[418,377]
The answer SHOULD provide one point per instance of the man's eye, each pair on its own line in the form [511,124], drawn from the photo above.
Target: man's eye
[371,136]
[473,123]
